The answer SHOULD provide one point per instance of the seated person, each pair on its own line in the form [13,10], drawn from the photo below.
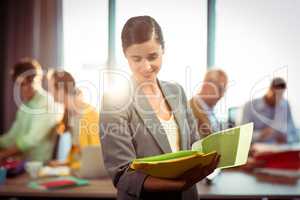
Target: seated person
[37,115]
[203,103]
[80,118]
[271,114]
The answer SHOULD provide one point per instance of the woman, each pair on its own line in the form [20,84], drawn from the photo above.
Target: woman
[153,120]
[80,119]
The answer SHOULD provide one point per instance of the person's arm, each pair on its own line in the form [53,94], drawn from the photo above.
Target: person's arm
[264,134]
[292,136]
[284,130]
[8,139]
[118,150]
[40,127]
[246,117]
[57,163]
[9,152]
[203,123]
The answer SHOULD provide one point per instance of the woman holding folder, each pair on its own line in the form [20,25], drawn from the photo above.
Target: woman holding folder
[152,119]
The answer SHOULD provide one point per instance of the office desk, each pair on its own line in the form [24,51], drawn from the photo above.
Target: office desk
[240,185]
[227,185]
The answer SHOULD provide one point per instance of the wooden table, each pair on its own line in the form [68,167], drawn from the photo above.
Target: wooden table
[227,185]
[17,187]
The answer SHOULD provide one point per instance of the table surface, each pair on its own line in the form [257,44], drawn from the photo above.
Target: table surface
[227,185]
[241,185]
[17,187]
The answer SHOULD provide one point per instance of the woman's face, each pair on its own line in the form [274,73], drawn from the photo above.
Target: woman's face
[58,94]
[145,60]
[26,89]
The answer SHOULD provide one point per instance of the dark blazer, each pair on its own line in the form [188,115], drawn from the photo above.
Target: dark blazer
[130,129]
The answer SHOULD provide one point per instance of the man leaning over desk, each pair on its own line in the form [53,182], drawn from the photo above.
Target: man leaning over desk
[271,114]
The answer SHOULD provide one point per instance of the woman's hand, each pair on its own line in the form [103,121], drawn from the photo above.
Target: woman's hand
[198,173]
[56,163]
[188,179]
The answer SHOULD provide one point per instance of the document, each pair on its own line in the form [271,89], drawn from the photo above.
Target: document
[232,144]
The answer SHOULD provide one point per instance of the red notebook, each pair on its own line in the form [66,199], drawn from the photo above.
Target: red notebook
[289,160]
[58,184]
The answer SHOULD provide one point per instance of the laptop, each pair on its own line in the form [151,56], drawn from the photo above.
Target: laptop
[92,165]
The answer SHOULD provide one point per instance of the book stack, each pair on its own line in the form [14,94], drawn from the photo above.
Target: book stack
[278,160]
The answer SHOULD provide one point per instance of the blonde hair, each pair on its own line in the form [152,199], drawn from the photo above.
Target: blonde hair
[215,75]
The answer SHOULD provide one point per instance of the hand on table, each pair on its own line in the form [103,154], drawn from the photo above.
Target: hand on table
[280,138]
[266,133]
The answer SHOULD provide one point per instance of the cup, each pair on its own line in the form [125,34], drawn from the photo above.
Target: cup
[2,175]
[33,168]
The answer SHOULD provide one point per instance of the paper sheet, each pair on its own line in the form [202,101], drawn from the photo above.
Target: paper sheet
[232,144]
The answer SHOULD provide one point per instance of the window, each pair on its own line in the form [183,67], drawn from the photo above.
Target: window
[86,40]
[256,41]
[184,27]
[85,35]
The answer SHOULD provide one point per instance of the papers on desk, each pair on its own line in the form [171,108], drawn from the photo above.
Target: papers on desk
[232,144]
[57,183]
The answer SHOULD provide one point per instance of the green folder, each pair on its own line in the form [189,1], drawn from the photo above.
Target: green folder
[172,165]
[232,144]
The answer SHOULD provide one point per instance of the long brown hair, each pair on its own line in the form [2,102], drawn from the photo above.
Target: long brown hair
[63,80]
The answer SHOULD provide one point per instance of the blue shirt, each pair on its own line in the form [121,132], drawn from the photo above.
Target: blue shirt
[279,118]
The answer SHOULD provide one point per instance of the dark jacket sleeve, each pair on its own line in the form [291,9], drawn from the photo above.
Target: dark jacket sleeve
[118,151]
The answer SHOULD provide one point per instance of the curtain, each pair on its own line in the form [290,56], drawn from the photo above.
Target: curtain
[31,28]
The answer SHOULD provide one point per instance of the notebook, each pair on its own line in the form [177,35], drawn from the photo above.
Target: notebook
[57,183]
